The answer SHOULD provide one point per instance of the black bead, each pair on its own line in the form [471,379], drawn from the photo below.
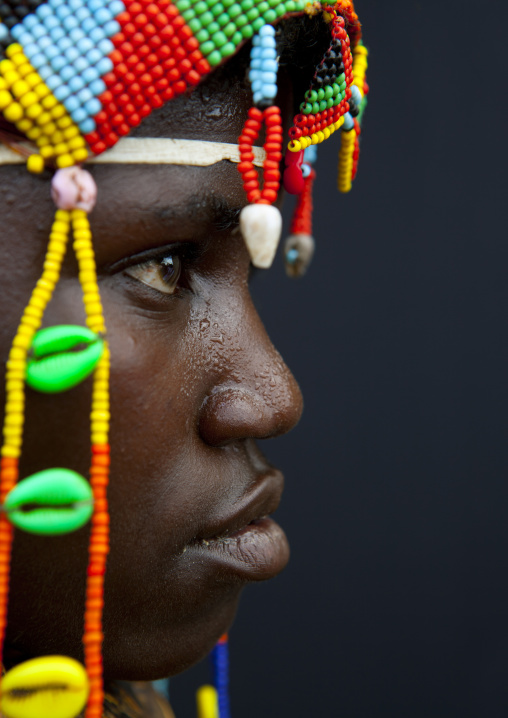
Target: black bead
[353,108]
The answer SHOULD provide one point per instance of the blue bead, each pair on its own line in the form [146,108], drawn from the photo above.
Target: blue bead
[43,11]
[51,51]
[93,57]
[64,44]
[268,42]
[349,123]
[269,78]
[81,14]
[93,106]
[104,66]
[310,154]
[89,74]
[71,104]
[57,33]
[62,93]
[76,34]
[31,50]
[81,65]
[62,11]
[267,30]
[58,62]
[45,73]
[102,16]
[357,97]
[75,4]
[71,54]
[116,7]
[38,60]
[255,53]
[79,115]
[53,82]
[88,25]
[70,22]
[17,32]
[95,5]
[97,87]
[38,31]
[87,125]
[55,3]
[84,45]
[105,46]
[76,84]
[257,86]
[255,41]
[4,32]
[270,66]
[84,95]
[270,91]
[111,28]
[51,22]
[67,73]
[268,54]
[30,22]
[97,35]
[257,97]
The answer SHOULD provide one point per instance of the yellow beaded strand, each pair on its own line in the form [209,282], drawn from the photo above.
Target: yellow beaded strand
[29,104]
[316,137]
[347,148]
[360,64]
[29,324]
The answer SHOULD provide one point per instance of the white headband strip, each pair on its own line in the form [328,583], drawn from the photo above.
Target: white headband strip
[152,151]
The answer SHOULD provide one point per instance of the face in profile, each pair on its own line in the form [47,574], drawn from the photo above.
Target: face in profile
[195,383]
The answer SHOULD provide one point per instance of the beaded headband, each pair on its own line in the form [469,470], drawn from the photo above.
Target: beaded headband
[75,78]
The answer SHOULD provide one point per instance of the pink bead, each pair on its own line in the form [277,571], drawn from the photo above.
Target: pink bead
[74,188]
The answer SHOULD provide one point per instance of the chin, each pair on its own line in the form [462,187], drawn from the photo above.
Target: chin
[131,654]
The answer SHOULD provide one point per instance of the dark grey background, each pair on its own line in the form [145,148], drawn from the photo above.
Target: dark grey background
[396,598]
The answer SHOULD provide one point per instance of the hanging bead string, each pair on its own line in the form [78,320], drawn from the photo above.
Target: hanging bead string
[346,162]
[220,665]
[99,471]
[15,393]
[302,217]
[273,148]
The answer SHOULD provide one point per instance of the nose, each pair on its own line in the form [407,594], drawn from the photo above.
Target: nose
[256,395]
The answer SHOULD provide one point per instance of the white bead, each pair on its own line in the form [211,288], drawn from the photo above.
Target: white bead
[261,227]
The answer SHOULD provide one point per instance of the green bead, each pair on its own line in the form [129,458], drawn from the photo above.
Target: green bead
[202,35]
[241,21]
[215,58]
[213,27]
[194,25]
[228,49]
[291,6]
[270,16]
[223,19]
[306,108]
[217,9]
[273,3]
[336,89]
[247,5]
[328,92]
[51,502]
[323,105]
[230,29]
[228,3]
[263,7]
[343,86]
[200,7]
[321,94]
[183,5]
[188,14]
[258,24]
[237,38]
[313,96]
[234,11]
[315,108]
[329,103]
[207,47]
[281,9]
[219,39]
[341,78]
[54,366]
[253,15]
[247,31]
[206,19]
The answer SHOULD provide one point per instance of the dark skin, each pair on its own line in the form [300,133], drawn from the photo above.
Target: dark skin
[195,382]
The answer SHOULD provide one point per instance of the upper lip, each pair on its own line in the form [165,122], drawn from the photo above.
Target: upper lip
[262,500]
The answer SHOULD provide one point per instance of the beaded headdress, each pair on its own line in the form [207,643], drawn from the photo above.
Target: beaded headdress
[75,78]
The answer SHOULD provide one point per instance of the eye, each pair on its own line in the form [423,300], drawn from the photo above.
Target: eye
[161,274]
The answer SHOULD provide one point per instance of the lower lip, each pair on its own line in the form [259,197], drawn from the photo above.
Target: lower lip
[256,552]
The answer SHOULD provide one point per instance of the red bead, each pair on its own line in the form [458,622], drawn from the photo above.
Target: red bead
[161,84]
[179,87]
[203,66]
[168,94]
[123,129]
[193,77]
[146,80]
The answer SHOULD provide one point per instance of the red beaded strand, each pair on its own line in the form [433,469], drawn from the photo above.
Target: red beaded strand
[156,57]
[273,148]
[8,479]
[302,215]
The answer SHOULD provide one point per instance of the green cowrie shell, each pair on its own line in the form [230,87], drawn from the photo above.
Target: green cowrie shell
[51,502]
[54,366]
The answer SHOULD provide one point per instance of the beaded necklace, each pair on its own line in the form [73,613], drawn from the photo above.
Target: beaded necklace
[75,78]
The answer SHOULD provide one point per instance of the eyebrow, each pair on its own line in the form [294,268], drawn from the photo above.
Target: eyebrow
[202,205]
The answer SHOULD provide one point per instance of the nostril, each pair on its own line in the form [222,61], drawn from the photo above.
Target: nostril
[234,413]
